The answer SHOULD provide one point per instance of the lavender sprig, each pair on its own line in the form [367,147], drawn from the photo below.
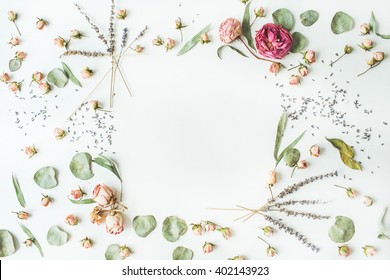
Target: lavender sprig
[84,53]
[303,214]
[293,202]
[124,37]
[111,30]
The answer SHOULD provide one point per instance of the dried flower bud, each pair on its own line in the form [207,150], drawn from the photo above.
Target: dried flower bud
[59,42]
[86,243]
[367,44]
[315,151]
[208,247]
[75,34]
[12,15]
[41,23]
[237,258]
[274,67]
[30,151]
[45,87]
[244,1]
[352,193]
[158,41]
[59,133]
[28,242]
[271,251]
[170,44]
[210,226]
[22,215]
[303,71]
[179,24]
[259,12]
[348,49]
[344,251]
[197,229]
[302,164]
[309,56]
[97,216]
[368,201]
[268,231]
[71,220]
[139,49]
[121,14]
[5,78]
[369,251]
[14,41]
[37,77]
[114,223]
[46,200]
[271,179]
[379,56]
[294,80]
[20,55]
[86,73]
[226,232]
[125,251]
[371,61]
[365,29]
[14,87]
[77,194]
[204,38]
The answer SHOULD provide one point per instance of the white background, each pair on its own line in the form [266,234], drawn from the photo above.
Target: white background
[198,133]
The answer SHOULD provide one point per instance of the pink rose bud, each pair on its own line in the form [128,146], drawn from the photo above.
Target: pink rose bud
[271,251]
[309,56]
[77,194]
[114,223]
[22,215]
[71,220]
[274,67]
[204,38]
[208,247]
[315,151]
[294,80]
[344,251]
[103,195]
[46,200]
[379,56]
[59,133]
[273,41]
[45,87]
[302,164]
[139,49]
[268,231]
[14,87]
[125,251]
[303,71]
[210,226]
[226,232]
[41,23]
[237,258]
[12,15]
[158,41]
[230,30]
[170,44]
[37,77]
[5,78]
[368,201]
[59,42]
[28,242]
[75,34]
[367,44]
[352,193]
[271,179]
[259,12]
[121,14]
[30,151]
[365,29]
[86,73]
[20,55]
[197,229]
[14,41]
[369,251]
[86,243]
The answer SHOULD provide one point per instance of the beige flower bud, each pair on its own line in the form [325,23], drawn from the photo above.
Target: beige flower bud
[344,251]
[379,56]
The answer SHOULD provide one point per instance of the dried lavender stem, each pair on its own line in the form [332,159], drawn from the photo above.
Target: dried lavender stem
[293,202]
[302,214]
[123,78]
[112,81]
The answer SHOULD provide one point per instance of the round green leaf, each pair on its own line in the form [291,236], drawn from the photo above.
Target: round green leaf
[57,77]
[291,157]
[15,64]
[283,17]
[299,42]
[7,246]
[182,253]
[144,225]
[309,17]
[173,228]
[80,166]
[113,252]
[56,237]
[46,177]
[341,23]
[343,230]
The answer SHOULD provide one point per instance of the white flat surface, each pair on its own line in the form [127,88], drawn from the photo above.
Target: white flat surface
[199,131]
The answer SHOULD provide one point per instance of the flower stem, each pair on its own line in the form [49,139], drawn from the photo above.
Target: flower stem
[341,187]
[371,67]
[264,241]
[333,62]
[181,35]
[254,55]
[253,22]
[17,28]
[270,190]
[294,67]
[292,172]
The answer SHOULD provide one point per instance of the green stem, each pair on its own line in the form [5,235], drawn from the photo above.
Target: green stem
[17,28]
[341,187]
[292,172]
[294,67]
[371,67]
[333,62]
[181,35]
[264,241]
[253,22]
[254,55]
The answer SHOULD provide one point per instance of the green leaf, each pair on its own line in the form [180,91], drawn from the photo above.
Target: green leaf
[292,145]
[309,17]
[173,228]
[108,164]
[80,166]
[46,177]
[383,236]
[374,27]
[383,36]
[144,225]
[31,236]
[7,246]
[192,43]
[57,77]
[18,191]
[70,75]
[291,157]
[342,147]
[341,23]
[182,253]
[82,201]
[283,17]
[343,230]
[219,51]
[56,237]
[15,64]
[381,220]
[279,133]
[113,252]
[350,162]
[299,42]
[246,26]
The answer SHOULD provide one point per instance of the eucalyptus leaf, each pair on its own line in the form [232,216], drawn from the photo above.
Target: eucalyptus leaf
[57,77]
[70,75]
[284,17]
[182,253]
[108,164]
[342,230]
[45,177]
[374,27]
[194,41]
[246,26]
[80,166]
[18,191]
[82,201]
[341,23]
[381,220]
[292,145]
[219,51]
[309,17]
[56,237]
[342,147]
[113,252]
[173,228]
[144,225]
[7,246]
[279,133]
[350,162]
[32,237]
[299,42]
[15,64]
[291,157]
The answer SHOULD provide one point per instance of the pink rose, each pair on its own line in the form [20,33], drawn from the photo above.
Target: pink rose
[59,42]
[379,56]
[294,80]
[274,67]
[45,87]
[271,251]
[302,164]
[344,251]
[30,151]
[20,55]
[114,223]
[367,45]
[368,201]
[46,200]
[268,231]
[37,76]
[271,179]
[197,229]
[14,41]
[230,30]
[303,71]
[309,56]
[369,251]
[77,194]
[14,87]
[139,49]
[121,14]
[210,226]
[170,44]
[5,78]
[315,151]
[41,23]
[86,243]
[102,195]
[208,247]
[125,251]
[71,220]
[22,215]
[365,29]
[12,16]
[352,193]
[59,133]
[226,232]
[273,41]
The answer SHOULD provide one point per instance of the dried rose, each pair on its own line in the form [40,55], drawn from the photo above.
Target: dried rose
[77,194]
[197,229]
[208,247]
[259,12]
[158,41]
[303,71]
[14,86]
[28,242]
[22,215]
[271,251]
[309,56]
[237,258]
[59,133]
[103,195]
[368,201]
[315,151]
[170,44]
[86,243]
[271,179]
[30,151]
[365,29]
[344,251]
[379,56]
[294,80]
[348,49]
[369,251]
[273,41]
[274,67]
[367,44]
[204,38]
[20,55]
[12,15]
[268,231]
[352,193]
[302,164]
[71,220]
[45,87]
[75,34]
[114,223]
[226,232]
[86,73]
[125,251]
[37,77]
[41,23]
[5,78]
[60,42]
[14,41]
[121,14]
[46,200]
[139,49]
[230,30]
[179,24]
[97,215]
[210,226]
